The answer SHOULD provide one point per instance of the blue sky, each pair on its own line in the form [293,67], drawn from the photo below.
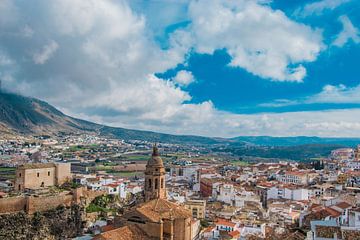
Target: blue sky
[240,91]
[215,68]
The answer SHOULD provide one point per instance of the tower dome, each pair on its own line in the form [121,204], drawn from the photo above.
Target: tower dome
[155,177]
[155,159]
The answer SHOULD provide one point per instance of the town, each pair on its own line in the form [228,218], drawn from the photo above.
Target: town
[143,190]
[179,120]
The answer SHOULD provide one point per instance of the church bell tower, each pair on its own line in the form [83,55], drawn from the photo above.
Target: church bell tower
[155,177]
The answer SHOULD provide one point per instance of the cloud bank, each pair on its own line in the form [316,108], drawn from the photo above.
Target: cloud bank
[97,60]
[263,41]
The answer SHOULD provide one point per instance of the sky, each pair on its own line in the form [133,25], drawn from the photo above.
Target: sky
[200,67]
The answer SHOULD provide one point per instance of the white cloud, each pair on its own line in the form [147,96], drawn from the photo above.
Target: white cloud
[263,41]
[104,70]
[337,94]
[27,31]
[106,65]
[320,123]
[279,103]
[329,94]
[349,32]
[205,120]
[45,53]
[184,78]
[317,8]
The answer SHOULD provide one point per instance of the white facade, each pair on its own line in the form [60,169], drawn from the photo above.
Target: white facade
[187,173]
[226,193]
[112,189]
[123,190]
[354,218]
[296,194]
[253,230]
[316,192]
[344,214]
[300,194]
[134,189]
[353,165]
[293,178]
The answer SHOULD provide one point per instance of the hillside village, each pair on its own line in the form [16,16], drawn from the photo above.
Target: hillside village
[226,198]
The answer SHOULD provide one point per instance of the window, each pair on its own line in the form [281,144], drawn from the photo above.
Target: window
[19,187]
[156,183]
[194,212]
[149,183]
[162,183]
[19,174]
[38,174]
[42,184]
[48,173]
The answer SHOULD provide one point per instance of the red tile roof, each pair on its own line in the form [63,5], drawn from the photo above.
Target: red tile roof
[332,212]
[224,222]
[343,205]
[107,228]
[123,233]
[234,234]
[162,209]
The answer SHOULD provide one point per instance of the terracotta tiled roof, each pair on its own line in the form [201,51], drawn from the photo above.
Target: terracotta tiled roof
[265,184]
[158,209]
[225,223]
[130,232]
[234,234]
[343,205]
[294,236]
[332,212]
[324,212]
[107,228]
[295,173]
[314,206]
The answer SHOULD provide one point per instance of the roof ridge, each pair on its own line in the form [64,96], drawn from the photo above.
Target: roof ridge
[156,203]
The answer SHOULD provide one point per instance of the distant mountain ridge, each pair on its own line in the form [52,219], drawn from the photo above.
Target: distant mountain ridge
[294,141]
[25,115]
[29,115]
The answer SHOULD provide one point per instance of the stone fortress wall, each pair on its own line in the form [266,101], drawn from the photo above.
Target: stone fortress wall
[32,204]
[12,204]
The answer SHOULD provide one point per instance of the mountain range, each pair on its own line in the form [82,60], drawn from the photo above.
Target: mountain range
[30,116]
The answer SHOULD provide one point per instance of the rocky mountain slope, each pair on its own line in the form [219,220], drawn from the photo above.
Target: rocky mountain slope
[24,115]
[29,115]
